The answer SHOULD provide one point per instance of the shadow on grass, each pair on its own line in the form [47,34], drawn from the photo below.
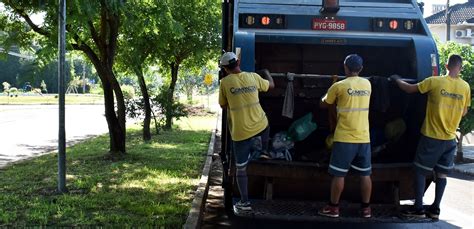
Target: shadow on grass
[152,186]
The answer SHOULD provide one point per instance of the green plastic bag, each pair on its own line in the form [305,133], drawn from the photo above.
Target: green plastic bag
[302,128]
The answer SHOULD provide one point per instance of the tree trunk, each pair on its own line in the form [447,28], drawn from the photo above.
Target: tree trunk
[115,120]
[459,153]
[174,78]
[146,103]
[121,114]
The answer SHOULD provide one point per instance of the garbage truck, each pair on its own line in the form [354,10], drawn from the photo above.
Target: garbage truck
[309,39]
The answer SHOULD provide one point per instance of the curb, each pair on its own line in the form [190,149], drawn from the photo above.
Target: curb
[467,169]
[195,215]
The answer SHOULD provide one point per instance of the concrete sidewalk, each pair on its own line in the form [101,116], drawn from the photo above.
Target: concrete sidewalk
[468,168]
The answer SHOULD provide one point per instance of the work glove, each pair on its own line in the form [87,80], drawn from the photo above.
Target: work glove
[394,78]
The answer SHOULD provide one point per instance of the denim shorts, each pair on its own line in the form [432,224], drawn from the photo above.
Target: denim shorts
[242,149]
[435,154]
[350,155]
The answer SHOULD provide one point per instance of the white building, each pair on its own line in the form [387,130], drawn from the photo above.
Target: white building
[462,23]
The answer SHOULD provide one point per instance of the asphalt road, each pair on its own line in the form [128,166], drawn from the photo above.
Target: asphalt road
[457,205]
[31,130]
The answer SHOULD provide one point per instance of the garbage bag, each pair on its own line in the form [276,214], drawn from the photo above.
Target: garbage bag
[302,128]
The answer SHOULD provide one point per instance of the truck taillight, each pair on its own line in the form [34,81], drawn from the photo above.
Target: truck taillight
[379,23]
[409,24]
[267,21]
[250,20]
[434,65]
[393,24]
[279,20]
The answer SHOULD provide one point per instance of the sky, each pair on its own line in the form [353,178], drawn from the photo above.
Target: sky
[428,4]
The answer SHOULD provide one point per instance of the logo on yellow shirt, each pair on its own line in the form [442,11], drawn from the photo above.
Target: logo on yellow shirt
[451,95]
[353,92]
[242,90]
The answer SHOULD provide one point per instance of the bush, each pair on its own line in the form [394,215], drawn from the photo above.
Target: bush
[160,107]
[13,91]
[128,92]
[96,89]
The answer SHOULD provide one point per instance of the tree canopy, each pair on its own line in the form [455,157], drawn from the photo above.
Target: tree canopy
[118,36]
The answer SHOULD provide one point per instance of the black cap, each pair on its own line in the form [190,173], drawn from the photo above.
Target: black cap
[354,62]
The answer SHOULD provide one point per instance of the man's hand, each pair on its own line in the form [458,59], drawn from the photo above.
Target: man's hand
[394,78]
[404,86]
[264,73]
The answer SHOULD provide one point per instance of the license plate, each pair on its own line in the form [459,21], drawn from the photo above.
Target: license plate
[328,24]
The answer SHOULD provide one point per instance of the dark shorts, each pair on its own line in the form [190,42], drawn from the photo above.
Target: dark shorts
[350,155]
[435,154]
[242,149]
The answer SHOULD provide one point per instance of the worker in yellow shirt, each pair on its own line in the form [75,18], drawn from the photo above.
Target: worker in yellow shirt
[238,93]
[448,99]
[351,147]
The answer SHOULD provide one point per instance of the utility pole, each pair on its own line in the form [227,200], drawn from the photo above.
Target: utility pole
[448,22]
[62,108]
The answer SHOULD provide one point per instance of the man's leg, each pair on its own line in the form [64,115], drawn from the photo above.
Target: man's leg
[419,184]
[242,183]
[241,153]
[427,154]
[341,157]
[366,189]
[363,165]
[444,165]
[265,135]
[441,182]
[337,186]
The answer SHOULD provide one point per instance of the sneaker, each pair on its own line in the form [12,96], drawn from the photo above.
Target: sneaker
[366,212]
[241,207]
[433,212]
[414,213]
[329,211]
[264,155]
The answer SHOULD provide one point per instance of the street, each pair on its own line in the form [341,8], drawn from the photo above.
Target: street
[32,130]
[457,206]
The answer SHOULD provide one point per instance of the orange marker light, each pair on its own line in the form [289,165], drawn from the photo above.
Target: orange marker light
[265,20]
[393,24]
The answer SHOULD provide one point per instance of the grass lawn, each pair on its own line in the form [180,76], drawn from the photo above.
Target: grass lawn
[152,186]
[50,99]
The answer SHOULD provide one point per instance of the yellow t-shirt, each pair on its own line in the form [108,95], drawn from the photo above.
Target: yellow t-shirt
[447,98]
[352,97]
[239,92]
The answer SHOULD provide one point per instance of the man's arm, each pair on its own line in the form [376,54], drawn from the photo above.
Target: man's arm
[266,75]
[464,112]
[404,86]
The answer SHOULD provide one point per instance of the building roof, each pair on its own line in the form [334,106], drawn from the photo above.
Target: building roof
[459,13]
